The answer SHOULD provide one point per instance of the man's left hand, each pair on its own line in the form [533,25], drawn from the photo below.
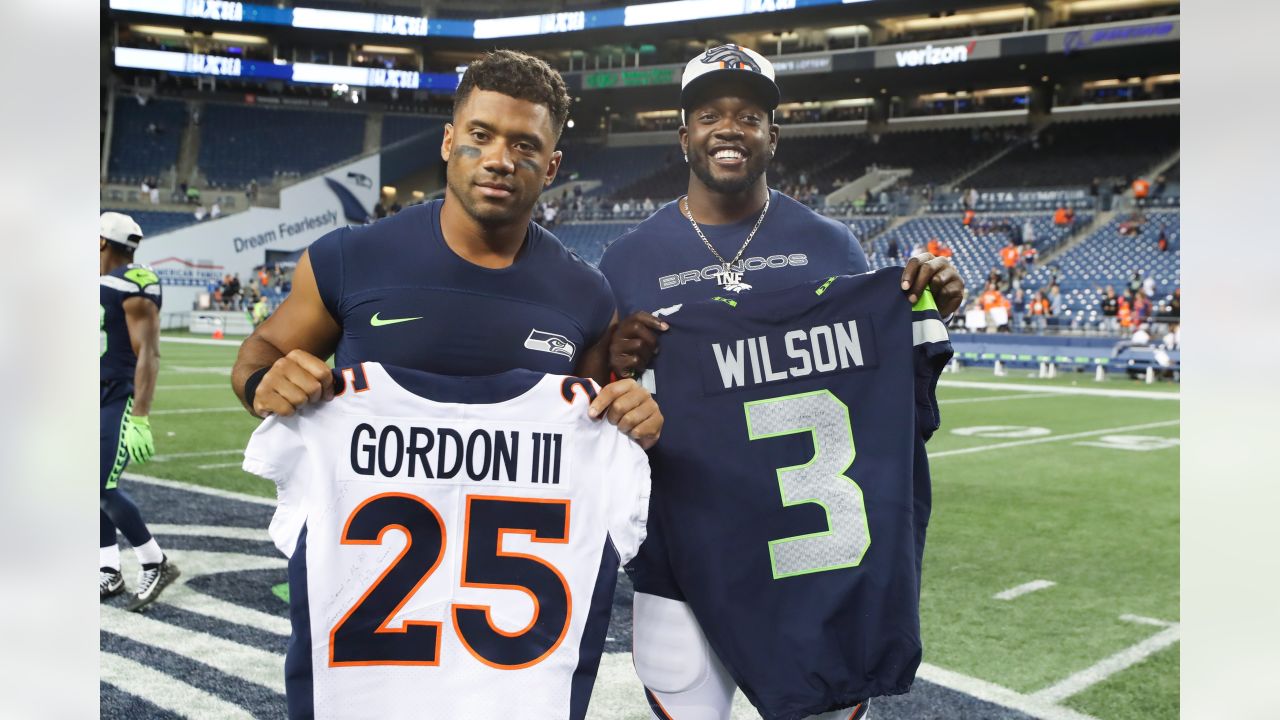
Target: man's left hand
[631,408]
[937,274]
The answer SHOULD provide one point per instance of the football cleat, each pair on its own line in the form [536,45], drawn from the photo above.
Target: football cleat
[151,581]
[110,583]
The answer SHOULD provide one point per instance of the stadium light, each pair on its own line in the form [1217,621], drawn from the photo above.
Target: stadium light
[386,50]
[158,30]
[238,38]
[570,123]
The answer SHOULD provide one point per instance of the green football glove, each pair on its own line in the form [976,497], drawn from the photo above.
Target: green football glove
[137,438]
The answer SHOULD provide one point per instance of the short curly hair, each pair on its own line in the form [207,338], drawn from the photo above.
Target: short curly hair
[520,76]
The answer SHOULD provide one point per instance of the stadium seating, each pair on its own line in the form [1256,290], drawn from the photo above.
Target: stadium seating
[1067,154]
[974,255]
[240,142]
[589,240]
[138,152]
[402,127]
[616,167]
[1106,257]
[153,223]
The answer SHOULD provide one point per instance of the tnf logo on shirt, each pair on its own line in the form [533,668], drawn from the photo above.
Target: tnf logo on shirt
[550,342]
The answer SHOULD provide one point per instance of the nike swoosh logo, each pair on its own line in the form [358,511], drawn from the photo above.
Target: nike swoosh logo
[379,322]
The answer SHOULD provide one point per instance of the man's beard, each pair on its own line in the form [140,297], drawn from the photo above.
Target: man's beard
[701,166]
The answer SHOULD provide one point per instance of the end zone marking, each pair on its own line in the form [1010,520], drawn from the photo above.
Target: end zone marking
[164,690]
[1023,589]
[1107,667]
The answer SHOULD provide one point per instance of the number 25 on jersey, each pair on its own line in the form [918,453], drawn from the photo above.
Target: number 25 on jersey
[363,637]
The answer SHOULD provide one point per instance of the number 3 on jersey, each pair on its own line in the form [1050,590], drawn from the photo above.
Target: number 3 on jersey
[821,480]
[363,637]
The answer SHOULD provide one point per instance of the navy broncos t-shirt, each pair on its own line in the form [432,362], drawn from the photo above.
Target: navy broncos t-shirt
[403,297]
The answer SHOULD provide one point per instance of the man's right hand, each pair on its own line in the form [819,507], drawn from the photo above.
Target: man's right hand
[634,344]
[293,381]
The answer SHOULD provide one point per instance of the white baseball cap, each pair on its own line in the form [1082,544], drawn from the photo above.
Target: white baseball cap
[729,61]
[120,228]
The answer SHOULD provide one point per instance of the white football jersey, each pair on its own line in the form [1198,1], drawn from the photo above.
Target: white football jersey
[453,543]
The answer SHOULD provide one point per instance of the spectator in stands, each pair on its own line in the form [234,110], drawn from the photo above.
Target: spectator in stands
[1056,305]
[395,208]
[1141,189]
[1173,339]
[1009,259]
[199,213]
[1149,287]
[894,253]
[193,195]
[648,207]
[1124,315]
[970,199]
[1060,217]
[967,221]
[154,195]
[1028,232]
[1135,283]
[1142,308]
[1174,309]
[1159,188]
[215,210]
[1029,255]
[996,306]
[975,320]
[379,211]
[260,310]
[1110,307]
[1039,311]
[549,211]
[1162,241]
[1017,309]
[251,191]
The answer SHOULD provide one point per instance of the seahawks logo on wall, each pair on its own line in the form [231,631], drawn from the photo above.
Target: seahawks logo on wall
[731,56]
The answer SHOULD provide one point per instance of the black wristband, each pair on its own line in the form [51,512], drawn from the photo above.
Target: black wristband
[251,385]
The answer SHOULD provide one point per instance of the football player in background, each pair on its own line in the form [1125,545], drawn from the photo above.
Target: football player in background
[729,234]
[129,359]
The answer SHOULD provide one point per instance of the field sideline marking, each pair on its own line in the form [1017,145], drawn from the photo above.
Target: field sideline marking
[214,369]
[227,532]
[218,466]
[1051,438]
[1023,589]
[203,453]
[164,690]
[209,386]
[1056,390]
[191,487]
[994,398]
[194,411]
[1107,667]
[200,341]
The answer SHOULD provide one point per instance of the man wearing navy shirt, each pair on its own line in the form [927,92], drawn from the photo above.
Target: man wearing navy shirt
[728,236]
[464,286]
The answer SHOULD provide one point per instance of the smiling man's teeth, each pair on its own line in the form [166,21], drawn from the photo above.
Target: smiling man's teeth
[728,155]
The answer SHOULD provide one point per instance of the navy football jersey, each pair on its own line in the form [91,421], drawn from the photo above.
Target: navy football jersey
[792,485]
[117,361]
[403,297]
[662,261]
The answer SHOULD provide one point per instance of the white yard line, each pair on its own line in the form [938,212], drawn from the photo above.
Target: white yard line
[1023,589]
[165,690]
[207,386]
[189,487]
[213,369]
[203,453]
[1060,390]
[201,341]
[997,694]
[241,661]
[196,411]
[994,398]
[1051,438]
[1139,619]
[1110,666]
[218,466]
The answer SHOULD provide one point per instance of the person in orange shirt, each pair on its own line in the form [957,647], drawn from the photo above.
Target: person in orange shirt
[1123,314]
[1060,216]
[935,247]
[1141,188]
[1039,309]
[996,306]
[1009,258]
[968,218]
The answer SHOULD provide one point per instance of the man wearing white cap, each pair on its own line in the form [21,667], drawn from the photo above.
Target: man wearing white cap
[129,359]
[729,235]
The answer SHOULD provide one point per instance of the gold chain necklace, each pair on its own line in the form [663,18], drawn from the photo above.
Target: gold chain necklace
[729,279]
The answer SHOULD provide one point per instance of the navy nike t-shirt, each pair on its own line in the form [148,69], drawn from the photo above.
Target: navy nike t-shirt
[403,297]
[662,261]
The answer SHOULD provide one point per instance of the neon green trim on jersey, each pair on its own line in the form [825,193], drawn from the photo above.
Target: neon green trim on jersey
[825,285]
[726,301]
[281,591]
[142,277]
[122,452]
[925,302]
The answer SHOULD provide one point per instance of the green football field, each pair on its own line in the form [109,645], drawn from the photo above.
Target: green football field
[1051,572]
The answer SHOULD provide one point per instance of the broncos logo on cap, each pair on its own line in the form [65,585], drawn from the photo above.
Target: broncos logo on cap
[730,56]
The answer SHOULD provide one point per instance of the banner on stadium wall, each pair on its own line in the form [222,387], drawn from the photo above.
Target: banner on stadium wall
[189,258]
[1013,195]
[1113,35]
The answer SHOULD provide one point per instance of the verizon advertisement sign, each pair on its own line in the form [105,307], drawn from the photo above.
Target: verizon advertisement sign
[930,54]
[934,55]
